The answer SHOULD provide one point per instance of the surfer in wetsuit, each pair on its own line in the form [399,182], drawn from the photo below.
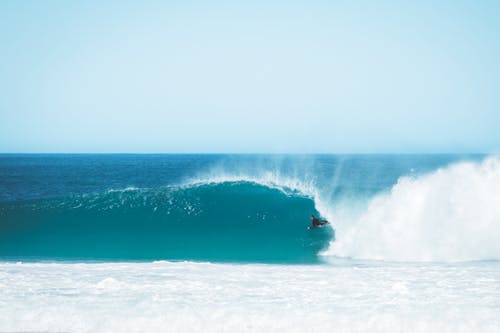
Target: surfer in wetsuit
[315,222]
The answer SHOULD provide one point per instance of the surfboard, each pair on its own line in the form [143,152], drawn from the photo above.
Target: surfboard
[318,226]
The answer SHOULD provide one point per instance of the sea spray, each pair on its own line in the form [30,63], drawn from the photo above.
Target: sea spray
[451,214]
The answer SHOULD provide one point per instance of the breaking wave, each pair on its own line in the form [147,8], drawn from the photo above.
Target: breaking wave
[451,214]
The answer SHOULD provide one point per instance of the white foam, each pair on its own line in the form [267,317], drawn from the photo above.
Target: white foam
[197,297]
[452,214]
[126,189]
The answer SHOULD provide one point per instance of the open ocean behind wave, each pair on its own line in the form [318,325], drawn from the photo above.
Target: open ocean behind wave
[185,241]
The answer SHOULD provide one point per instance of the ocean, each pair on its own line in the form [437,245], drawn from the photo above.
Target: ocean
[219,243]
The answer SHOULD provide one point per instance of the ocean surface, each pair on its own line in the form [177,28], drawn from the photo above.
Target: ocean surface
[219,243]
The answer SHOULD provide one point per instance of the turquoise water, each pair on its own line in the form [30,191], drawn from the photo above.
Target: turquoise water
[217,208]
[230,221]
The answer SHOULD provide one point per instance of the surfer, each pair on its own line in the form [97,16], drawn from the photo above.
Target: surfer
[316,223]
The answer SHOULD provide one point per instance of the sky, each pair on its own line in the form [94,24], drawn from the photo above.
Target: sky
[250,76]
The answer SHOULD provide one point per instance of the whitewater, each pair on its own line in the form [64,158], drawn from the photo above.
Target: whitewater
[451,214]
[194,297]
[220,243]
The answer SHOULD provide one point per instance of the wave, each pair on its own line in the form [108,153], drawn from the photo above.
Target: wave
[233,219]
[451,214]
[257,215]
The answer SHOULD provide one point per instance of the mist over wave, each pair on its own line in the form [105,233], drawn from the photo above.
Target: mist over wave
[451,214]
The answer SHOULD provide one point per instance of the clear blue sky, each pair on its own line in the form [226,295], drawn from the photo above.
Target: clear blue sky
[250,76]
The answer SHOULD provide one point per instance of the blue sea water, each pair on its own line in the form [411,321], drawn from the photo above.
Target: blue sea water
[219,243]
[216,208]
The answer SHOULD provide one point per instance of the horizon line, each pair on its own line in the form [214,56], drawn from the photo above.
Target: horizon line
[249,153]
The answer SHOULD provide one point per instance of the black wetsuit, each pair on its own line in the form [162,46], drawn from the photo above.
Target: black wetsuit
[317,222]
